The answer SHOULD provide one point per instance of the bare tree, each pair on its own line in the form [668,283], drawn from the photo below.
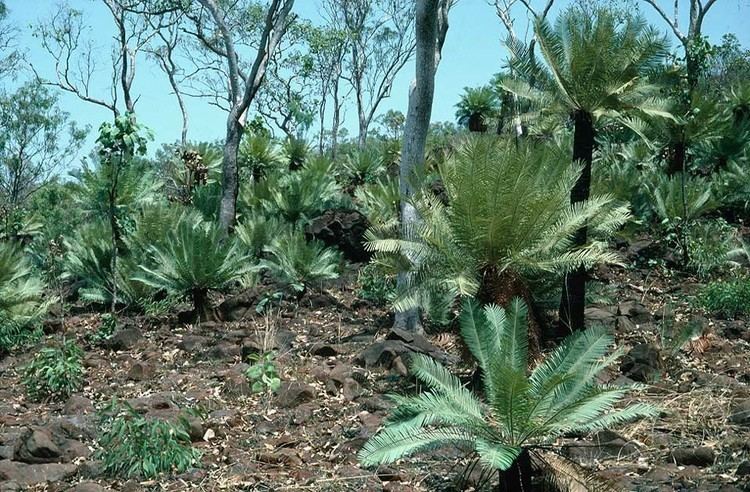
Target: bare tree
[66,39]
[223,42]
[431,29]
[698,9]
[381,42]
[166,26]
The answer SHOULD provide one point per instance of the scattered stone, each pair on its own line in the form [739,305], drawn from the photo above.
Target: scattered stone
[604,444]
[740,413]
[141,371]
[36,446]
[636,311]
[239,307]
[601,316]
[124,339]
[77,404]
[293,393]
[88,487]
[701,456]
[193,343]
[642,362]
[28,475]
[325,350]
[743,469]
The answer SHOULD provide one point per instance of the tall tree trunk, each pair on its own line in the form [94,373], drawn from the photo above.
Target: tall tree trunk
[431,28]
[230,176]
[573,299]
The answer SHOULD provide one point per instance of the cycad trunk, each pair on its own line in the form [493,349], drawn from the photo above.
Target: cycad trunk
[476,123]
[517,478]
[573,299]
[501,287]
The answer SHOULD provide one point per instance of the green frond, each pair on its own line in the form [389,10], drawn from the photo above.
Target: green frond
[390,445]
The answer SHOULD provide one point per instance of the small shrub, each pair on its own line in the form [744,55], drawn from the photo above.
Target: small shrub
[262,373]
[375,285]
[107,328]
[55,372]
[15,333]
[709,243]
[135,446]
[727,298]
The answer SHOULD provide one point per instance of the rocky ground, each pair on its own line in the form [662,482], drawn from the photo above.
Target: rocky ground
[337,358]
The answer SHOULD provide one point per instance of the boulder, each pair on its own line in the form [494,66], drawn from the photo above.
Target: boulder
[636,311]
[77,404]
[36,446]
[740,412]
[30,475]
[193,343]
[604,444]
[294,393]
[343,229]
[239,307]
[124,339]
[701,456]
[141,371]
[642,362]
[601,316]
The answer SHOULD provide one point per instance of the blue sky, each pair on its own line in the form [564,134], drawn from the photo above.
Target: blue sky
[473,52]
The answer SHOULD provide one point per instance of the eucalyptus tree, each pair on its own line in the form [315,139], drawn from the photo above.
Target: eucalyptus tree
[431,29]
[70,42]
[38,139]
[223,33]
[381,42]
[595,69]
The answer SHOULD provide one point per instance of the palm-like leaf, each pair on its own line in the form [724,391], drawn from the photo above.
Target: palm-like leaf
[194,259]
[508,209]
[521,411]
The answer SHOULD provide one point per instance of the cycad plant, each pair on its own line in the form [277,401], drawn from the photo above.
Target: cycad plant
[363,165]
[596,68]
[477,107]
[194,259]
[300,264]
[508,219]
[258,231]
[21,305]
[512,428]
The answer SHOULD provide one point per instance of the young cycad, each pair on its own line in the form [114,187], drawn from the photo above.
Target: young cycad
[194,259]
[521,413]
[299,263]
[21,306]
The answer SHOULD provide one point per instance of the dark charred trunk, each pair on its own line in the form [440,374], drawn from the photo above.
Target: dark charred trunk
[477,124]
[230,176]
[517,478]
[501,287]
[677,156]
[573,299]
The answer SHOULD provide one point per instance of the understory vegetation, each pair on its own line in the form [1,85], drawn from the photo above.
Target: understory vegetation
[573,257]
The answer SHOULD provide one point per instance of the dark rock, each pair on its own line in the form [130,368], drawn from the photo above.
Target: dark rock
[29,475]
[343,229]
[193,343]
[740,413]
[642,362]
[382,353]
[325,350]
[701,456]
[77,404]
[641,249]
[743,469]
[53,325]
[351,389]
[223,351]
[235,382]
[601,316]
[636,311]
[294,393]
[36,446]
[141,371]
[124,339]
[239,307]
[88,487]
[604,444]
[624,324]
[72,449]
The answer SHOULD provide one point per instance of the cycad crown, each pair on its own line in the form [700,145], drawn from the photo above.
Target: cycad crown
[508,210]
[520,411]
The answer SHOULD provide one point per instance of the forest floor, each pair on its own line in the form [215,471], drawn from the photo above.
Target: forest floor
[336,367]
